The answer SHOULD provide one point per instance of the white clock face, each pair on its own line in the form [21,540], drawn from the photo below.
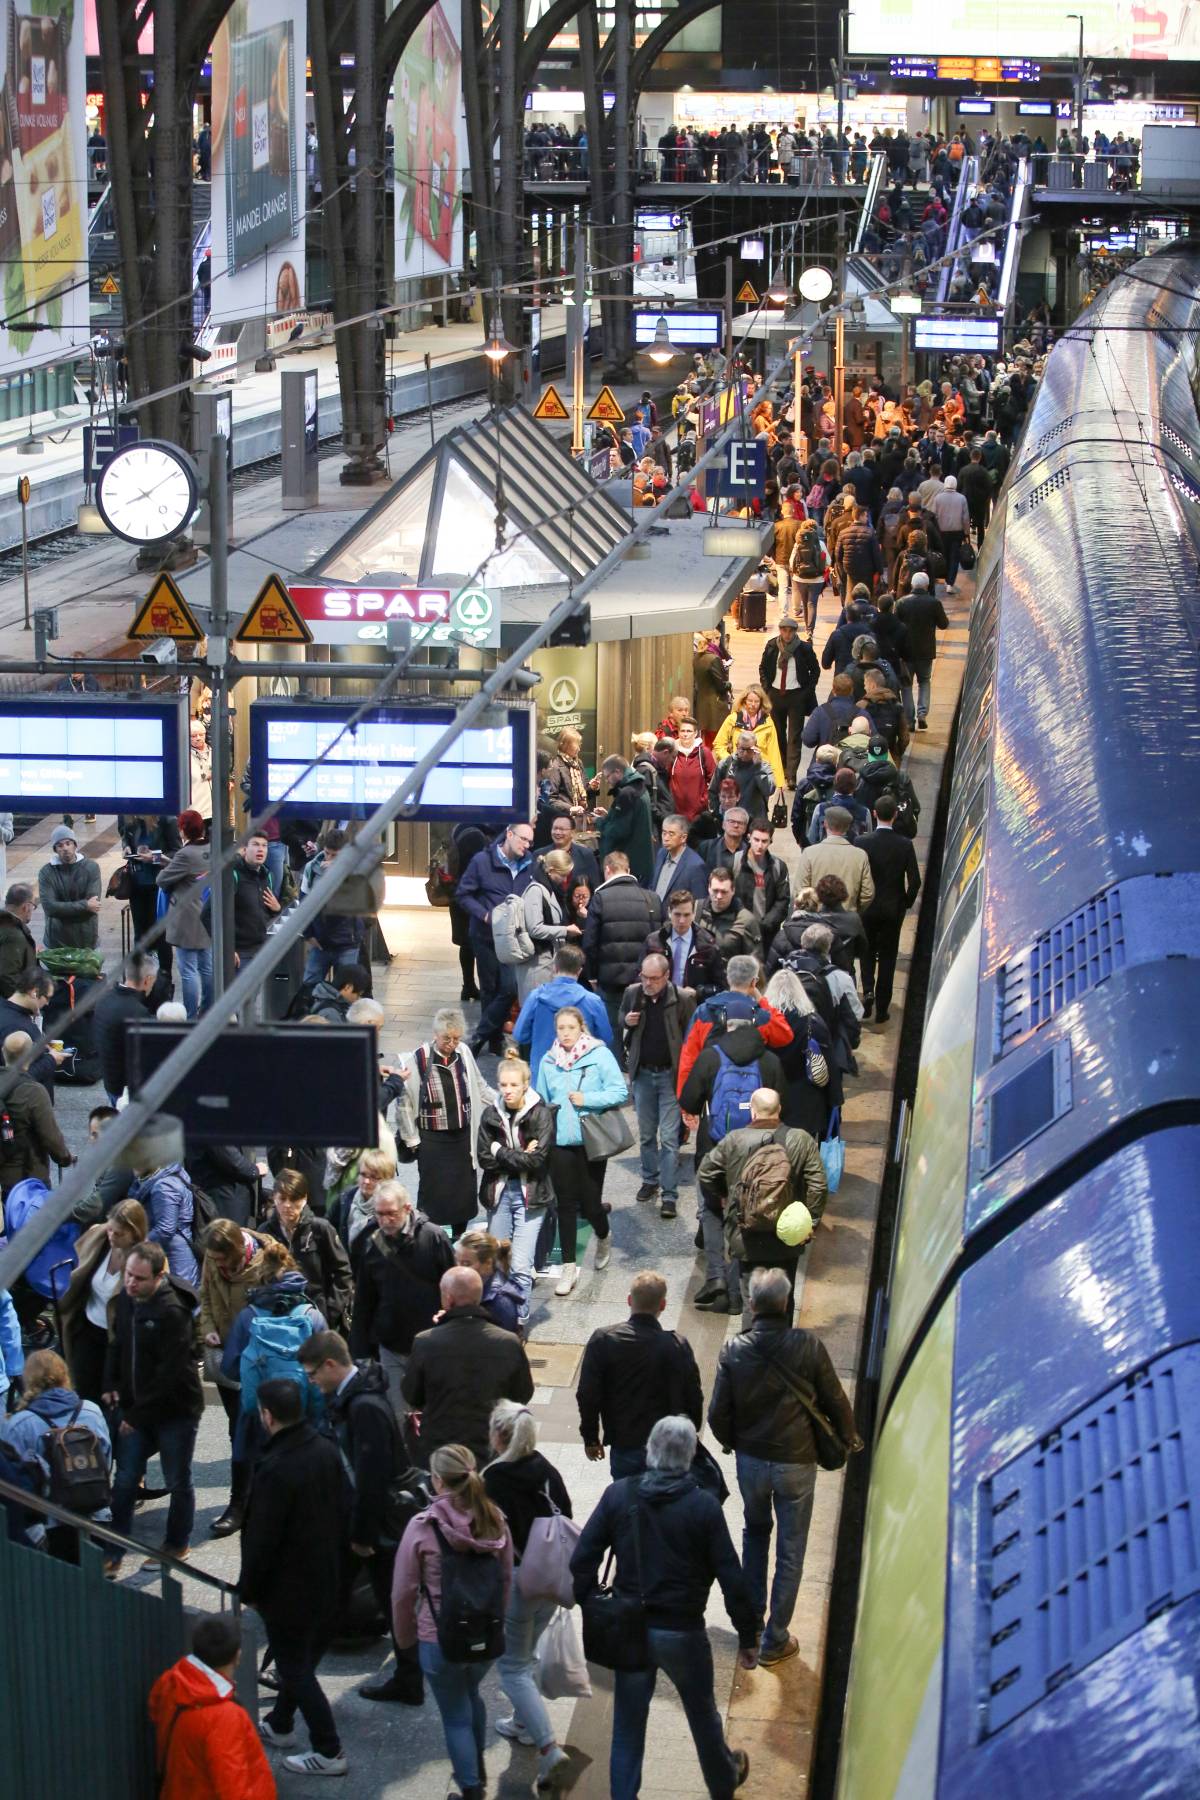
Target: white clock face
[147,493]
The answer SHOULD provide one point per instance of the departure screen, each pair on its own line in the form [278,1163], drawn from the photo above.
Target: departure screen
[81,751]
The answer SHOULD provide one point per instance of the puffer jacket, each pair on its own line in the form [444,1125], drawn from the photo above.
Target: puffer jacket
[417,1576]
[210,1743]
[619,917]
[166,1195]
[503,1156]
[596,1075]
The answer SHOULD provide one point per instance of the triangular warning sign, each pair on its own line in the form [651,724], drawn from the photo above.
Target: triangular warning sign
[747,294]
[604,408]
[550,406]
[273,618]
[165,613]
[109,287]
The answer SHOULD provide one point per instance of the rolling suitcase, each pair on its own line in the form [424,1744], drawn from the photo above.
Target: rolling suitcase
[752,613]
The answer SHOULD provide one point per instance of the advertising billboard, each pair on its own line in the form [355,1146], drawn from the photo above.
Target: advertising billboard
[1168,31]
[431,146]
[43,183]
[258,62]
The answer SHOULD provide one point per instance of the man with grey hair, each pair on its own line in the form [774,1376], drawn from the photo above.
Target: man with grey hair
[671,1543]
[396,1289]
[749,771]
[720,851]
[655,1014]
[923,616]
[128,1000]
[34,1138]
[18,950]
[758,1410]
[676,865]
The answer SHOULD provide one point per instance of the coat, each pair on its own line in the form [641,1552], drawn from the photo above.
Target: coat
[64,892]
[736,930]
[18,951]
[679,1009]
[834,856]
[777,893]
[632,1375]
[533,1032]
[396,1291]
[620,915]
[166,1194]
[457,1371]
[91,1250]
[596,1075]
[296,1532]
[184,880]
[805,671]
[711,692]
[627,825]
[222,1299]
[488,879]
[322,1260]
[36,1140]
[756,1413]
[206,1738]
[691,773]
[923,616]
[503,1153]
[704,971]
[417,1572]
[690,873]
[755,785]
[725,742]
[151,1359]
[114,1010]
[720,1171]
[361,1419]
[895,873]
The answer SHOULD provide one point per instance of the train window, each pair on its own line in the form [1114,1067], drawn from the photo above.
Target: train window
[973,768]
[976,680]
[954,935]
[960,830]
[985,609]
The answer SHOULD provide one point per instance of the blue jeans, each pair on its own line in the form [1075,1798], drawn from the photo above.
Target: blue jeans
[196,979]
[276,863]
[658,1126]
[510,1220]
[175,1440]
[524,1625]
[464,1717]
[318,962]
[686,1658]
[788,1489]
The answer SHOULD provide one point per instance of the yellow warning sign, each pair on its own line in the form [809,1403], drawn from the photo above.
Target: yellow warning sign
[604,408]
[165,613]
[272,618]
[110,286]
[550,406]
[746,294]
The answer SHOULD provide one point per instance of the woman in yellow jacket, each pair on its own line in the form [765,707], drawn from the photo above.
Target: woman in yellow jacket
[751,713]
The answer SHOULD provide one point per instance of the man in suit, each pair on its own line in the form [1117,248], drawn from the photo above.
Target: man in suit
[897,883]
[676,866]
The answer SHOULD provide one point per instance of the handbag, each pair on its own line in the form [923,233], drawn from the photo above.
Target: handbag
[614,1624]
[833,1152]
[544,1571]
[605,1134]
[831,1452]
[966,554]
[815,1066]
[779,814]
[562,1672]
[120,884]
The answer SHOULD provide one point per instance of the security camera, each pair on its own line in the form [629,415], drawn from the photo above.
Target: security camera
[162,650]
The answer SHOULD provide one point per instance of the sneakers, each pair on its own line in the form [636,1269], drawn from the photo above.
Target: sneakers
[668,1209]
[566,1281]
[780,1653]
[551,1764]
[279,1740]
[603,1252]
[510,1728]
[313,1763]
[647,1191]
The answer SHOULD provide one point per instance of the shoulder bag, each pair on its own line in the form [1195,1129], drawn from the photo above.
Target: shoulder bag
[605,1133]
[831,1451]
[544,1571]
[614,1624]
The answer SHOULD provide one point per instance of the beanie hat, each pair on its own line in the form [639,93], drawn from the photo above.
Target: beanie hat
[62,834]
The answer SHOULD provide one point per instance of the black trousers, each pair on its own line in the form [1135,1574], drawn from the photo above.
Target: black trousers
[297,1653]
[883,936]
[788,711]
[579,1185]
[88,1347]
[379,1573]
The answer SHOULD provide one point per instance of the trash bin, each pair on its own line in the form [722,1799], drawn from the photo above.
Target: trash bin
[1095,176]
[1060,173]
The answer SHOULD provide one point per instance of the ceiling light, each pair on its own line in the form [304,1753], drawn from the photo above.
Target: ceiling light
[778,294]
[661,350]
[497,346]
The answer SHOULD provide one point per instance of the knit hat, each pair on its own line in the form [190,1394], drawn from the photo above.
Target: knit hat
[62,834]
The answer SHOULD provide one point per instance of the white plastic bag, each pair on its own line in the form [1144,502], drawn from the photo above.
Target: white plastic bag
[562,1672]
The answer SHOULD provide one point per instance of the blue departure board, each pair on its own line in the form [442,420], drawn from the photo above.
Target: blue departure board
[91,753]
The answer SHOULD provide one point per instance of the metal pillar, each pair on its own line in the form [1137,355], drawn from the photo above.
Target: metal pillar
[218,651]
[578,319]
[593,116]
[477,104]
[512,188]
[366,440]
[622,191]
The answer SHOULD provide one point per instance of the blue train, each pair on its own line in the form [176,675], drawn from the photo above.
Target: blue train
[1029,1614]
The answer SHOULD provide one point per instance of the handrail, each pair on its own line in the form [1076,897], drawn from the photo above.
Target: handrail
[105,1533]
[870,199]
[968,179]
[1007,286]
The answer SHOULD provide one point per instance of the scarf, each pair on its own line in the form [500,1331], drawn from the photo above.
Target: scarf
[566,1059]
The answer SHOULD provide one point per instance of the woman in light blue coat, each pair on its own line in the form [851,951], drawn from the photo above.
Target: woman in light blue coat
[578,1074]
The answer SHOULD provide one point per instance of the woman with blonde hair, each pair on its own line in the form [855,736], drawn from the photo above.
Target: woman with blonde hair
[525,1487]
[516,1137]
[751,713]
[48,1403]
[265,1340]
[462,1518]
[86,1307]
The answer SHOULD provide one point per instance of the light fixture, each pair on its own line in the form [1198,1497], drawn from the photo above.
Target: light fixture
[661,349]
[905,303]
[497,347]
[816,283]
[778,294]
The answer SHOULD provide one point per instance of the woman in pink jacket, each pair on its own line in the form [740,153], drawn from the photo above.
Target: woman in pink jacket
[463,1522]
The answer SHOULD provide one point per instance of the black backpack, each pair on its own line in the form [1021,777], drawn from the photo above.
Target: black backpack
[470,1621]
[74,1455]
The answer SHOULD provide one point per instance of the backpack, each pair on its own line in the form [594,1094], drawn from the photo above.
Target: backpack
[510,932]
[908,807]
[78,1469]
[26,1473]
[764,1189]
[273,1354]
[204,1211]
[729,1106]
[470,1621]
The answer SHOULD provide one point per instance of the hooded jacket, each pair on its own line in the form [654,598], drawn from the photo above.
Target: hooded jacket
[166,1195]
[736,930]
[456,1372]
[504,1156]
[396,1293]
[417,1576]
[27,1430]
[596,1075]
[520,1490]
[533,1032]
[184,880]
[742,1045]
[619,917]
[725,742]
[685,1547]
[151,1360]
[734,1008]
[64,891]
[691,774]
[206,1737]
[627,825]
[18,951]
[222,1299]
[323,1262]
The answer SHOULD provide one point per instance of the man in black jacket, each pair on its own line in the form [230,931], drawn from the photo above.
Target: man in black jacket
[294,1545]
[150,1374]
[737,931]
[756,1411]
[761,884]
[633,1375]
[114,1010]
[358,1413]
[656,1015]
[789,671]
[18,951]
[692,954]
[671,1543]
[460,1368]
[618,919]
[897,879]
[923,615]
[248,898]
[396,1291]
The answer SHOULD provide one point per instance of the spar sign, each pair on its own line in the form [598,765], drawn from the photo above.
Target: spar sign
[361,615]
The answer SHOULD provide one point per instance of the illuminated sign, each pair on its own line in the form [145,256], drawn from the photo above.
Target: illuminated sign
[658,221]
[979,30]
[486,775]
[343,614]
[692,329]
[967,334]
[84,753]
[1035,109]
[914,68]
[984,107]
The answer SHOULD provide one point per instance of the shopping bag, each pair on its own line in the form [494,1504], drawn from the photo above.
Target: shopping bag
[562,1673]
[833,1152]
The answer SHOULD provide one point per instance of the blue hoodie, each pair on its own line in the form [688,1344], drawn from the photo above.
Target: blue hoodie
[27,1430]
[534,1029]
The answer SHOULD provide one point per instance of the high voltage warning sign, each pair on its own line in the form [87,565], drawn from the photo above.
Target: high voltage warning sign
[605,408]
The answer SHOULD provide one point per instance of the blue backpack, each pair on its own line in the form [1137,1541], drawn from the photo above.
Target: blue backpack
[273,1354]
[729,1106]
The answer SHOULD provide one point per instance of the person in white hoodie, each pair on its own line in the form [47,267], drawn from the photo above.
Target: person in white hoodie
[516,1137]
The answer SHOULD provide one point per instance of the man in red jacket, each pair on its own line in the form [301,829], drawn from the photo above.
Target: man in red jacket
[204,1740]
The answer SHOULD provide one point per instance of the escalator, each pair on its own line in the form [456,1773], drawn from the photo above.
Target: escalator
[106,309]
[956,240]
[1013,236]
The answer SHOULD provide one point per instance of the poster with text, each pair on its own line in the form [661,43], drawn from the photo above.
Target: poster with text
[43,182]
[258,191]
[431,146]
